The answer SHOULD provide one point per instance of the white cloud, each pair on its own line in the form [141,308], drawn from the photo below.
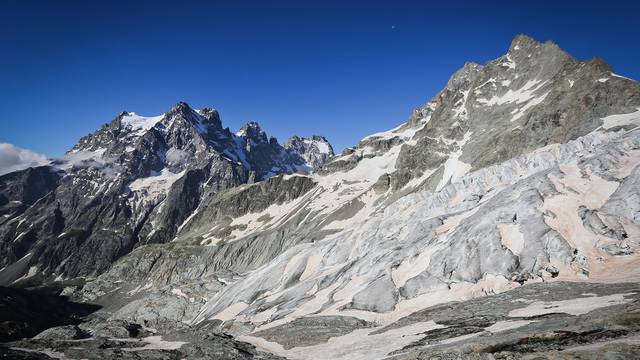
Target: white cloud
[13,158]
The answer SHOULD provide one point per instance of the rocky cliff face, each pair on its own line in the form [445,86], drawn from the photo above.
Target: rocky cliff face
[520,173]
[315,150]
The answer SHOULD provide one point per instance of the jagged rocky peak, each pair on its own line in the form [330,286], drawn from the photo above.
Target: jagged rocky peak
[421,114]
[127,127]
[524,169]
[200,118]
[315,150]
[181,106]
[523,149]
[467,73]
[180,113]
[212,116]
[533,95]
[524,47]
[527,44]
[184,136]
[253,131]
[268,158]
[134,181]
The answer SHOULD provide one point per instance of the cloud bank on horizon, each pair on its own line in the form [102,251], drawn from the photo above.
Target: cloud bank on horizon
[13,158]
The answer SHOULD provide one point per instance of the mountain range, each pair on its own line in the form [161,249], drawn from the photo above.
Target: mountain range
[501,220]
[132,182]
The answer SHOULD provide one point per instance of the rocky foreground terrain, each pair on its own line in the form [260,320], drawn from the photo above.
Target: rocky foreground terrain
[501,221]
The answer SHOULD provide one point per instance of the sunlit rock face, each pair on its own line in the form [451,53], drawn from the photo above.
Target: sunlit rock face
[520,178]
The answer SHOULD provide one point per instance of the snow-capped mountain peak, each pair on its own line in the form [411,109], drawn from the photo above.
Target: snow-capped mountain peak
[151,172]
[315,150]
[134,121]
[253,131]
[522,170]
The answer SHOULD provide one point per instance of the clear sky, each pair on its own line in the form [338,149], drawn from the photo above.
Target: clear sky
[337,68]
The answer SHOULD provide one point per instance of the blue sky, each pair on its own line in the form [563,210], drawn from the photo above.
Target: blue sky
[337,68]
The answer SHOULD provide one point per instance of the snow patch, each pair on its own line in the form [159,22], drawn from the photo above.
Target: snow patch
[357,345]
[508,62]
[622,77]
[135,122]
[535,101]
[524,94]
[405,134]
[231,312]
[156,343]
[180,293]
[453,167]
[507,325]
[511,238]
[158,183]
[576,306]
[575,190]
[612,121]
